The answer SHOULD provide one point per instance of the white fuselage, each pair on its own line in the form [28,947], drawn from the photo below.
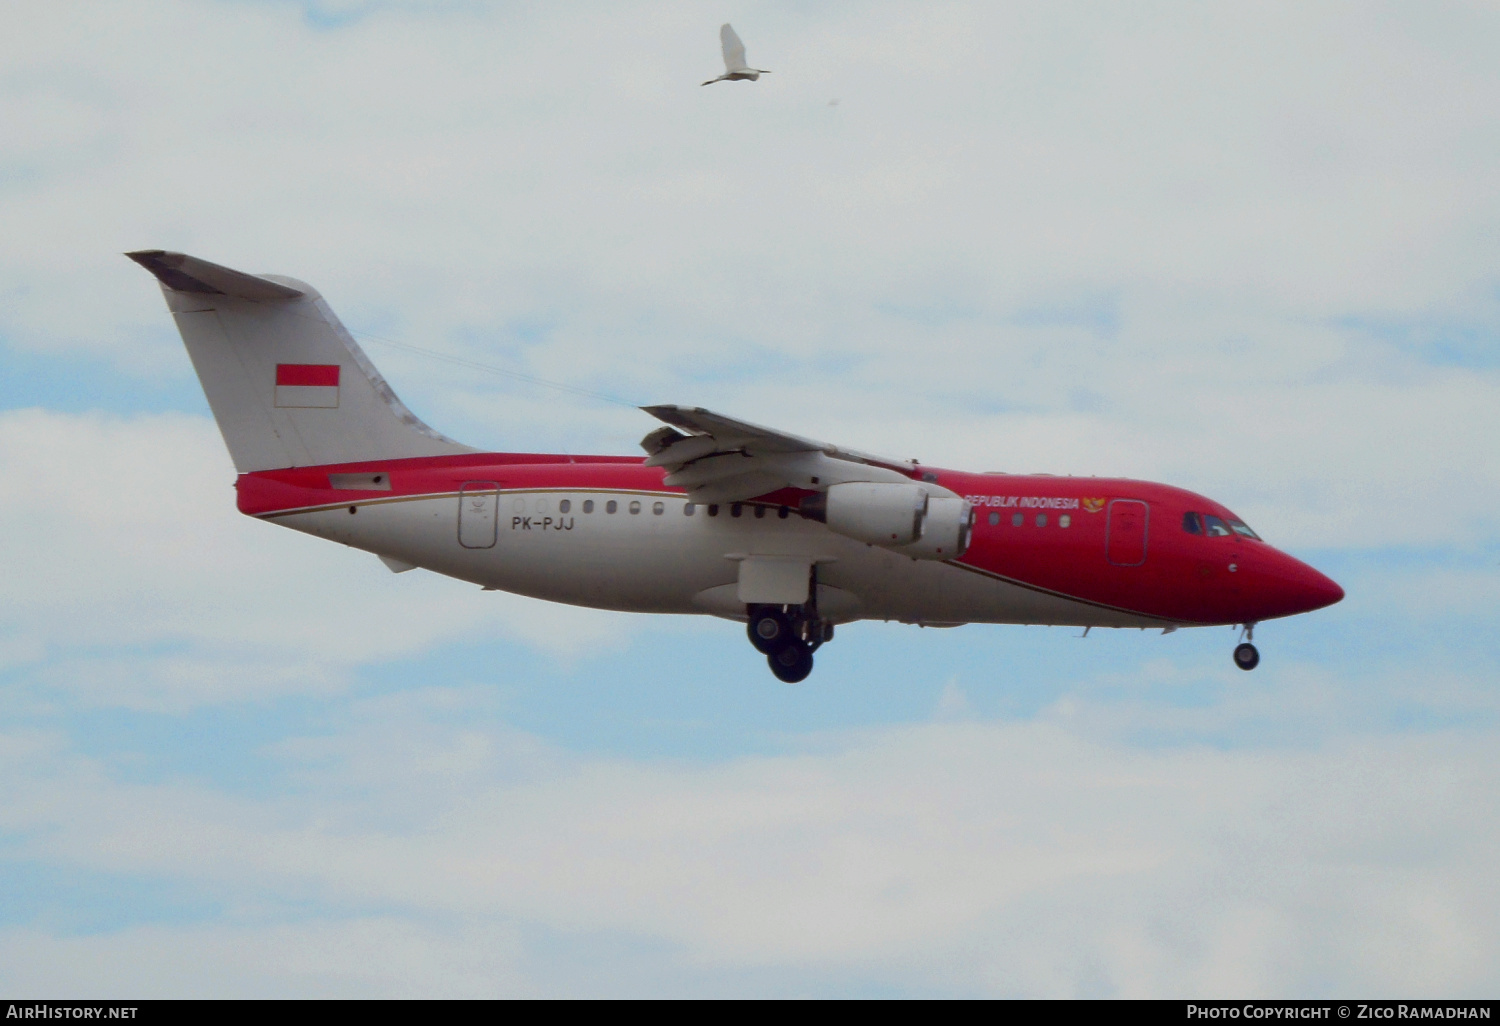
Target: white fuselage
[671,561]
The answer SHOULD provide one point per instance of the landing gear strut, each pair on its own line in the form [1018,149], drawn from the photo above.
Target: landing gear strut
[1246,656]
[788,635]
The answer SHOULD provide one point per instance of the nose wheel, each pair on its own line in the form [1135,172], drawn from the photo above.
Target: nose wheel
[1246,656]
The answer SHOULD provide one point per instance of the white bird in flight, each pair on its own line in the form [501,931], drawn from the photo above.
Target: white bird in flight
[735,68]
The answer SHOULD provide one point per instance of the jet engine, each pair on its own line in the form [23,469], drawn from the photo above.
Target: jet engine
[901,517]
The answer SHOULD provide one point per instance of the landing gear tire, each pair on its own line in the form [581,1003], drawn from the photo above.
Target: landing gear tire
[1246,657]
[792,662]
[769,630]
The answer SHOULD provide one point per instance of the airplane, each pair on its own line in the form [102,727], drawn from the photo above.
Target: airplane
[789,535]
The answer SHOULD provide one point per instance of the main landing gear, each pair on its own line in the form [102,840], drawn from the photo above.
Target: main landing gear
[1246,656]
[788,635]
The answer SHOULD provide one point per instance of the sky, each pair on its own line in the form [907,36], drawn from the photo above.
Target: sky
[1251,250]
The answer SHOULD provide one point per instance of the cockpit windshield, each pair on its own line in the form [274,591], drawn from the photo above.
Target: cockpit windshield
[1241,528]
[1216,528]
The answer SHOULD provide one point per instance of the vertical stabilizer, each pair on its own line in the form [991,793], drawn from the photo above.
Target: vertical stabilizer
[288,385]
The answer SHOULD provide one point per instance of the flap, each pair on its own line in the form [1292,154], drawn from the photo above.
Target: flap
[730,434]
[721,459]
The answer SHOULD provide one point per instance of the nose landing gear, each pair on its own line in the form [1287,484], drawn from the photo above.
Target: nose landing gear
[788,636]
[1246,655]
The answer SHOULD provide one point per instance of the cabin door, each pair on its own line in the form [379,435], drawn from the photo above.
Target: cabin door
[1125,532]
[478,514]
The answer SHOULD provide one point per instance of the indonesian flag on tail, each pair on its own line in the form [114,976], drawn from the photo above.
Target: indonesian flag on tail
[307,385]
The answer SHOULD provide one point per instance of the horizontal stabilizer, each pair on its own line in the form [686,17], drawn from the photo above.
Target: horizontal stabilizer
[185,273]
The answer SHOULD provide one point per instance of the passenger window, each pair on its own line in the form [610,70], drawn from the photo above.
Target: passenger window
[588,505]
[1017,519]
[760,512]
[994,519]
[1041,520]
[1241,528]
[1192,524]
[1216,528]
[635,507]
[658,508]
[1065,521]
[611,506]
[687,509]
[565,506]
[713,510]
[736,510]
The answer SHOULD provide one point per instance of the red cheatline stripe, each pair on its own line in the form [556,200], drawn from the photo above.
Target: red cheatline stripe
[307,374]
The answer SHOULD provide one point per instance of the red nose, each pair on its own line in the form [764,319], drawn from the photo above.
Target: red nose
[1296,587]
[1324,591]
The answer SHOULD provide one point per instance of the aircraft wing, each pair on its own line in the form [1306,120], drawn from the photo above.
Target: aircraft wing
[720,459]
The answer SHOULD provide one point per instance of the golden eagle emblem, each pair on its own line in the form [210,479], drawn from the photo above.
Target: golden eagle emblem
[1093,505]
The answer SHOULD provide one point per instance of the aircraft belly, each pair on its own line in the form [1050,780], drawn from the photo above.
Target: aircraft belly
[598,561]
[892,586]
[649,562]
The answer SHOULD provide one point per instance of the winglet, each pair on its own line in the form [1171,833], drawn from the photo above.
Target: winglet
[184,273]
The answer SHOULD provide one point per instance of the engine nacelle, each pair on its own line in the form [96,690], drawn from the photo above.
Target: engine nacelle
[895,516]
[881,514]
[945,529]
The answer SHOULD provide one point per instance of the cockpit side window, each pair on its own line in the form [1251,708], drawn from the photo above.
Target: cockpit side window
[1241,528]
[1216,527]
[1192,523]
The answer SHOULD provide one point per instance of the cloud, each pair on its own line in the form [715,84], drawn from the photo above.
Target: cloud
[125,556]
[1227,248]
[361,957]
[953,704]
[1004,858]
[1135,244]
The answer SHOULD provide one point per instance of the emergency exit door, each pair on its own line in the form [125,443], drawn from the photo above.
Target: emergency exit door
[1125,532]
[478,514]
